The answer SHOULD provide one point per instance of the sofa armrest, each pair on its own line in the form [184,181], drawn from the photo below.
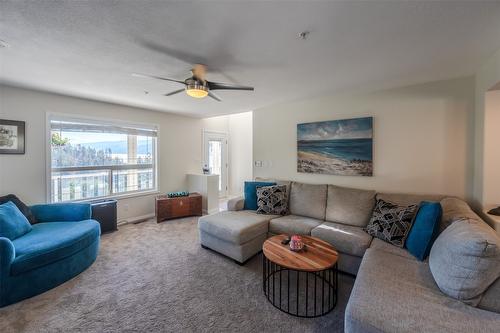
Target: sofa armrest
[62,212]
[7,255]
[236,203]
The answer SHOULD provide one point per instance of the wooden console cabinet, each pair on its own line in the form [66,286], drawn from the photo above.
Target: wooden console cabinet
[171,208]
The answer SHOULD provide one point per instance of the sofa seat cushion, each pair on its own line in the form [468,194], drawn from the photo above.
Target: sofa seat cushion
[52,241]
[349,206]
[293,224]
[308,200]
[380,245]
[394,294]
[236,227]
[344,238]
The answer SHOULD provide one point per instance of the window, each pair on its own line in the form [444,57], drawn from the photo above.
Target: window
[92,159]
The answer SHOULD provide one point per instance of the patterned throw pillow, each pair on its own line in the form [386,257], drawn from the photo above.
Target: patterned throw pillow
[272,200]
[390,222]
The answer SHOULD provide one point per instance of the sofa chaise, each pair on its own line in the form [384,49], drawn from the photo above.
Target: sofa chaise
[62,244]
[393,291]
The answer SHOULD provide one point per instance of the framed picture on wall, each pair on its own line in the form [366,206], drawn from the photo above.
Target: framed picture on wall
[11,137]
[336,147]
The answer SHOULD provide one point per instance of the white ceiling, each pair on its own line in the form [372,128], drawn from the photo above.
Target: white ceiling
[90,48]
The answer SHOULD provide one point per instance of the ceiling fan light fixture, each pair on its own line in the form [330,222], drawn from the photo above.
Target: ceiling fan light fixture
[197,90]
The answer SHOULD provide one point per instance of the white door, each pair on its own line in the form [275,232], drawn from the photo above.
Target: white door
[215,157]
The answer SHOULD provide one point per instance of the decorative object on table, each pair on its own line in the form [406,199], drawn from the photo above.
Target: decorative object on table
[272,200]
[390,222]
[12,138]
[105,212]
[336,147]
[424,230]
[177,194]
[296,243]
[300,271]
[250,193]
[206,170]
[494,211]
[171,208]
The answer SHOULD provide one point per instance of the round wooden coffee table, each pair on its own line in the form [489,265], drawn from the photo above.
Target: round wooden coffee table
[303,284]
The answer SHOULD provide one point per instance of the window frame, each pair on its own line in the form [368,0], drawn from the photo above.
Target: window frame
[48,157]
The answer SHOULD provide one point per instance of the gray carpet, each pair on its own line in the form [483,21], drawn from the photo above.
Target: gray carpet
[156,278]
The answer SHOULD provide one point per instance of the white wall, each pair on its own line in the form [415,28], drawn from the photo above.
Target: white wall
[238,128]
[491,177]
[487,77]
[179,145]
[422,137]
[240,151]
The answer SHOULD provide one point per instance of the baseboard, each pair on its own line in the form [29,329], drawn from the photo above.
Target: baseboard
[136,219]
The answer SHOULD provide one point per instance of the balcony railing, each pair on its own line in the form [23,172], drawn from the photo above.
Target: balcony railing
[88,182]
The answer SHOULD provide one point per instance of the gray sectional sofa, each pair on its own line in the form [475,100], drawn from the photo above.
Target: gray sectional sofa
[393,291]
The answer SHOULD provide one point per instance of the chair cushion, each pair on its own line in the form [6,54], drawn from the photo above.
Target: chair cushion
[424,230]
[52,241]
[13,223]
[308,200]
[21,205]
[349,206]
[465,260]
[250,193]
[344,238]
[237,227]
[293,224]
[394,294]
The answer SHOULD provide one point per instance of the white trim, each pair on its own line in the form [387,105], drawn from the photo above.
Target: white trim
[136,219]
[48,158]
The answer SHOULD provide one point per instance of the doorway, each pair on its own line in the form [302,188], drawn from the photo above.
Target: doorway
[215,158]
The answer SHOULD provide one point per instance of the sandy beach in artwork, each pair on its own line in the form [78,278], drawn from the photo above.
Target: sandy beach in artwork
[317,163]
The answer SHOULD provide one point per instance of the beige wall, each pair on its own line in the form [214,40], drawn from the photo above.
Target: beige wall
[179,144]
[423,137]
[487,77]
[491,177]
[240,151]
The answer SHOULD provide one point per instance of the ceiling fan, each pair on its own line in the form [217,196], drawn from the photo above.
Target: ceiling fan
[197,86]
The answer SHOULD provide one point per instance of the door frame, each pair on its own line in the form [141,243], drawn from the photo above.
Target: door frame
[224,137]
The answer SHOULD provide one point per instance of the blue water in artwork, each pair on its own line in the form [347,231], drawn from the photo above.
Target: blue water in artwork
[347,149]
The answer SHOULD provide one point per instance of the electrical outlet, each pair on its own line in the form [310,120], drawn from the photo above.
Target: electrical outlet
[258,164]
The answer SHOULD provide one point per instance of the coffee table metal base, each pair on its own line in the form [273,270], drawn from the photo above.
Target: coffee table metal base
[300,293]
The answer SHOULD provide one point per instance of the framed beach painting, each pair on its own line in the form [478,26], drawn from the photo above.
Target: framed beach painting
[336,147]
[11,137]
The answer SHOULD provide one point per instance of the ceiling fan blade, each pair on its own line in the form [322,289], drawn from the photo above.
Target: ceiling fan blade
[187,57]
[226,86]
[174,92]
[156,77]
[214,96]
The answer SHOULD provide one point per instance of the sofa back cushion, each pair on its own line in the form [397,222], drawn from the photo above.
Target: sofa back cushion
[465,260]
[13,224]
[308,200]
[455,209]
[349,206]
[403,199]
